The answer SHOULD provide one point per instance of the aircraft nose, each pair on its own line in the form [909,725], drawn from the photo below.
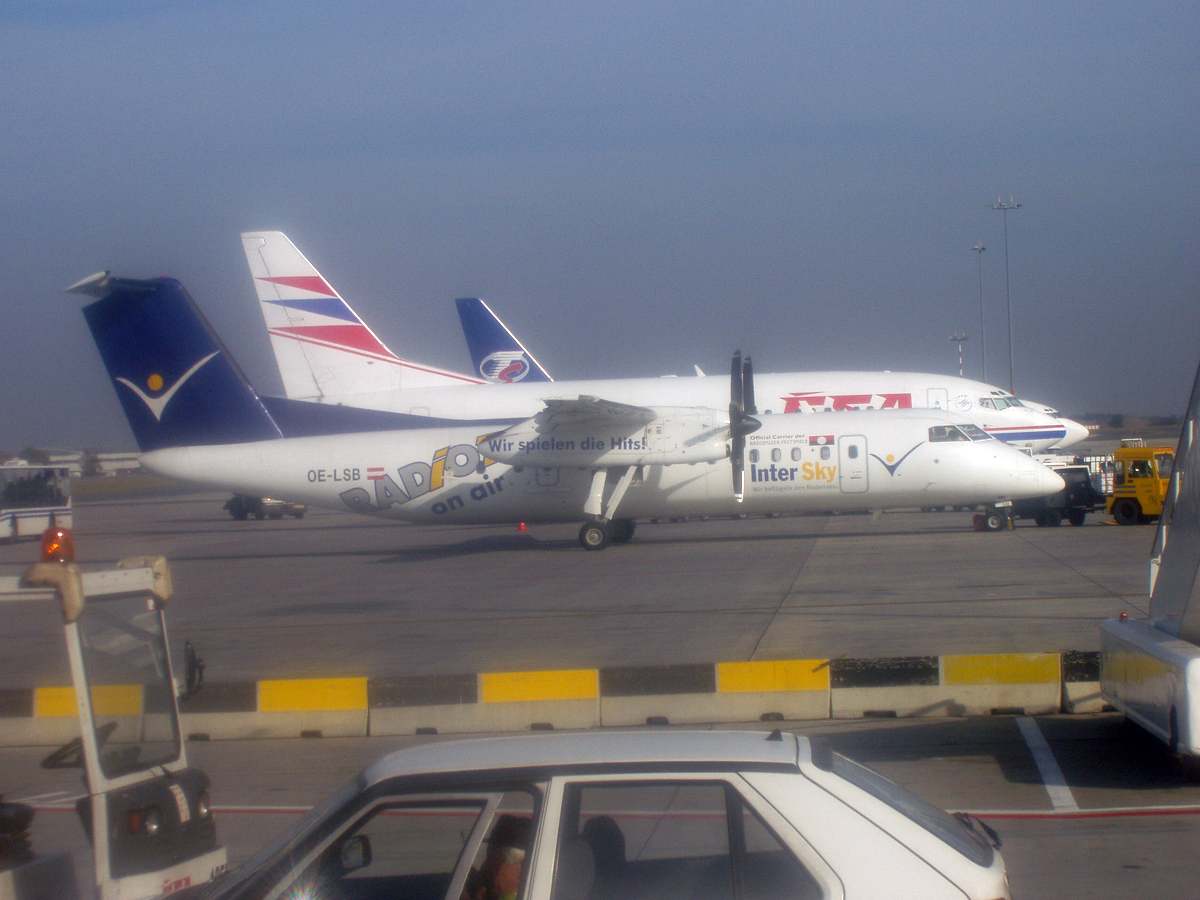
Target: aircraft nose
[1050,481]
[1034,479]
[1075,433]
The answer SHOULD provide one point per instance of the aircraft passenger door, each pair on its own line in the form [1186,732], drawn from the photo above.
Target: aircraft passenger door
[852,464]
[938,398]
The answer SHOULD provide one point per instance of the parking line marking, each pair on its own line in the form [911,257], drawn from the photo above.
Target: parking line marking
[1061,797]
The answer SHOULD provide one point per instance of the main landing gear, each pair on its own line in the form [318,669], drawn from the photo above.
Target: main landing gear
[602,529]
[597,535]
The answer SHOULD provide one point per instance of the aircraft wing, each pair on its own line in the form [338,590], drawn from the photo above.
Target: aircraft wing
[570,412]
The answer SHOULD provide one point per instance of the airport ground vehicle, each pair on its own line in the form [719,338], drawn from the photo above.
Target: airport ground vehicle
[1072,503]
[1140,478]
[145,811]
[616,814]
[242,506]
[1150,668]
[32,499]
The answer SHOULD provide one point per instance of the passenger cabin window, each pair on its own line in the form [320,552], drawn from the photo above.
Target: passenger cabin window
[825,452]
[796,454]
[671,839]
[852,451]
[940,434]
[753,456]
[776,455]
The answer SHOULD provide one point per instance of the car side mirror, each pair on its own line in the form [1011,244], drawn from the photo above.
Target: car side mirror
[355,853]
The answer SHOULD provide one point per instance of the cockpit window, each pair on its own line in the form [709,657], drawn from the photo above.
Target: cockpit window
[986,403]
[940,434]
[975,433]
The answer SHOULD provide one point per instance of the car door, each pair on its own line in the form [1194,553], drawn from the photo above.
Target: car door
[432,845]
[671,837]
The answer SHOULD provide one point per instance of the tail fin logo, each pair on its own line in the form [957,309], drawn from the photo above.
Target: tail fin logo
[506,366]
[158,404]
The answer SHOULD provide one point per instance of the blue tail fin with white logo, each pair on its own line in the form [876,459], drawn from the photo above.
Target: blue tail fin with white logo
[496,353]
[176,382]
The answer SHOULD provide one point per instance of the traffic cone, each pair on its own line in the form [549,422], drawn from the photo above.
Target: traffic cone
[521,526]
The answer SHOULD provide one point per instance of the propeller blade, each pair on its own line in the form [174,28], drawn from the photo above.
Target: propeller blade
[736,397]
[739,471]
[748,387]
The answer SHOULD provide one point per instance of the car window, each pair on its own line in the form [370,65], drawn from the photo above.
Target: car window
[670,840]
[400,849]
[419,847]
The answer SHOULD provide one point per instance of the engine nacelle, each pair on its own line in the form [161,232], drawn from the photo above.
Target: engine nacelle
[674,437]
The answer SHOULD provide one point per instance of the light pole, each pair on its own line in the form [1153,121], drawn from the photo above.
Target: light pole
[959,338]
[1004,208]
[979,248]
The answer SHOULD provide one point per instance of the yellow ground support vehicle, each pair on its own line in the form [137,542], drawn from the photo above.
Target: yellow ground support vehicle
[1140,477]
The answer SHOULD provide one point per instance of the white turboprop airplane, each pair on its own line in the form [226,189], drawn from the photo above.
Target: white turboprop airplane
[327,354]
[196,418]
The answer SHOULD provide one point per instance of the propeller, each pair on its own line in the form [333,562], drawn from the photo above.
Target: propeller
[741,417]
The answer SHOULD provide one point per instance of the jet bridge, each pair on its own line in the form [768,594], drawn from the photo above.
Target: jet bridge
[1150,668]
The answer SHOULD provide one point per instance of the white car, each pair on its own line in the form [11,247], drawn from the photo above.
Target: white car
[658,815]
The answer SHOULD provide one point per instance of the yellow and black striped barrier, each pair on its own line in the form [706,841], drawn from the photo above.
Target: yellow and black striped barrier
[769,690]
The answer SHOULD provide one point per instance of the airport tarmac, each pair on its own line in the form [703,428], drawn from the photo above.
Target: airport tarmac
[335,594]
[1105,813]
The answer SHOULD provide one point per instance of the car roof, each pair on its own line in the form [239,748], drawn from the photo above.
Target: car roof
[651,749]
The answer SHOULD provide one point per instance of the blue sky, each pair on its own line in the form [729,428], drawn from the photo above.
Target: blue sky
[634,188]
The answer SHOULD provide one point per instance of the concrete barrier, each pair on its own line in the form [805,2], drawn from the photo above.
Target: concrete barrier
[798,689]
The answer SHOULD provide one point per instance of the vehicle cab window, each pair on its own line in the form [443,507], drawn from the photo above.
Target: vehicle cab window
[669,838]
[1140,468]
[1165,463]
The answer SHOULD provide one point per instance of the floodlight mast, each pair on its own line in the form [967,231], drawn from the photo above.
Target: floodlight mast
[959,338]
[979,248]
[1004,207]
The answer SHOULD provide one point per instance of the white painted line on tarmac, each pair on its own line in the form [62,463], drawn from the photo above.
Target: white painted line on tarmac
[1061,797]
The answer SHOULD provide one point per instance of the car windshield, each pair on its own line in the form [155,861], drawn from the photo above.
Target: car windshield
[232,884]
[936,821]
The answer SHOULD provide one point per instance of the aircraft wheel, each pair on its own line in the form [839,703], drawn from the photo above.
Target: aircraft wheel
[1076,516]
[1040,519]
[996,521]
[595,535]
[1053,518]
[622,530]
[1126,512]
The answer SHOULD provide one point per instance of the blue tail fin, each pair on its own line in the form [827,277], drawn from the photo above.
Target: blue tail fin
[496,353]
[176,382]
